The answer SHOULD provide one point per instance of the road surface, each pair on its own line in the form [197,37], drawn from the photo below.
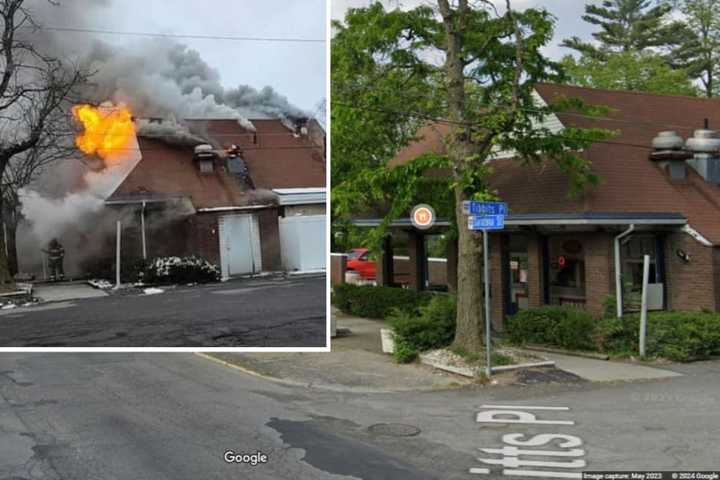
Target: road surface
[174,416]
[244,313]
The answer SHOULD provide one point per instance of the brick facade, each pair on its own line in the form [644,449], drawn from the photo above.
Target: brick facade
[599,270]
[270,239]
[691,285]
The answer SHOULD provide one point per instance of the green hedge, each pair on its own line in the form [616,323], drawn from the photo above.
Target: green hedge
[566,327]
[432,326]
[679,336]
[376,302]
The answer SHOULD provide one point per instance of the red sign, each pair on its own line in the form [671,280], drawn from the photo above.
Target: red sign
[422,216]
[562,261]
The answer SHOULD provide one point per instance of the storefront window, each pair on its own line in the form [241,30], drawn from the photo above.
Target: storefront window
[567,271]
[436,247]
[633,252]
[518,258]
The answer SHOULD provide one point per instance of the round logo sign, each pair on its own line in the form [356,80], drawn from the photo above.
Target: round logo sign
[423,216]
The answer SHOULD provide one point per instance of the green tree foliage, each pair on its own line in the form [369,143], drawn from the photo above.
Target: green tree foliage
[628,26]
[629,71]
[464,66]
[699,52]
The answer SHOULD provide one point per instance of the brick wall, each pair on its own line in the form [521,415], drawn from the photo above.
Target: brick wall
[203,231]
[535,271]
[691,285]
[270,239]
[599,269]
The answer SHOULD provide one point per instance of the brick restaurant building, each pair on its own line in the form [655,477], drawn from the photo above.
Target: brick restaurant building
[559,250]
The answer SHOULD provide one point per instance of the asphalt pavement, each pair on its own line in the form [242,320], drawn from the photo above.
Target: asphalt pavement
[261,312]
[174,416]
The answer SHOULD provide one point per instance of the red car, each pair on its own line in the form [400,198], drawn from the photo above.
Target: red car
[359,261]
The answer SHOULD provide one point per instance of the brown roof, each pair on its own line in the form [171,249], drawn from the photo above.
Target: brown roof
[630,182]
[274,156]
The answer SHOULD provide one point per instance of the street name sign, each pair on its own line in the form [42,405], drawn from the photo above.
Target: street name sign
[486,222]
[474,207]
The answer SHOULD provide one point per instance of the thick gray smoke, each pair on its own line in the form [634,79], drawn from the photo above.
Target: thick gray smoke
[156,78]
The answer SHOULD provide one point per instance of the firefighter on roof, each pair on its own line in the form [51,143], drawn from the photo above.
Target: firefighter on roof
[55,253]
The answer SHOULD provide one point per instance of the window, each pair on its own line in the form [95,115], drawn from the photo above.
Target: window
[632,253]
[567,270]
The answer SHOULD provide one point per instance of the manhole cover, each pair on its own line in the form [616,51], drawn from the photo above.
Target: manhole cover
[394,429]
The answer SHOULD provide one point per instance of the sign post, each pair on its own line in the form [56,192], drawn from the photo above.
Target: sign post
[644,305]
[486,216]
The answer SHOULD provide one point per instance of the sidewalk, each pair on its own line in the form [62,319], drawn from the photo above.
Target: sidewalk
[55,292]
[356,364]
[607,371]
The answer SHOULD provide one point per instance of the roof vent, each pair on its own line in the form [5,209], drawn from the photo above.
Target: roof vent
[704,141]
[205,157]
[203,148]
[670,154]
[668,140]
[705,144]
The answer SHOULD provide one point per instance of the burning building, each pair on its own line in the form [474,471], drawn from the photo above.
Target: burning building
[248,196]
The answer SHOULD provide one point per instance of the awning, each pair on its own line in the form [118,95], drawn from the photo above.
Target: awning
[300,196]
[558,219]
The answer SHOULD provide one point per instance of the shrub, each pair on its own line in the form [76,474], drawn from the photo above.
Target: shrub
[566,327]
[376,302]
[180,270]
[433,326]
[679,336]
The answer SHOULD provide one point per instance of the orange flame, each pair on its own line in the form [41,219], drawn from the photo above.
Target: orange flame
[108,130]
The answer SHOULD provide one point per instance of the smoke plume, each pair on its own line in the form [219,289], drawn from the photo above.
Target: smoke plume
[156,78]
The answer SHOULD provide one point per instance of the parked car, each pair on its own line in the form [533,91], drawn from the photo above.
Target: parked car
[359,261]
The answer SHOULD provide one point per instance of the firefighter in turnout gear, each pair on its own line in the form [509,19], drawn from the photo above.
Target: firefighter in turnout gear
[56,254]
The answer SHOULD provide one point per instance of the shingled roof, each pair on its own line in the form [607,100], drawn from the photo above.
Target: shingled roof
[630,182]
[274,155]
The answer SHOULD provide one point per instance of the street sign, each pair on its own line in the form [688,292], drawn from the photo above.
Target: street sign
[487,222]
[422,216]
[485,208]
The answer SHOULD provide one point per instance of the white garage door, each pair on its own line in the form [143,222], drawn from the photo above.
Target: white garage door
[240,252]
[302,239]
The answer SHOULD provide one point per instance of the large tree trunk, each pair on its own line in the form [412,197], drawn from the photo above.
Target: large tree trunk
[6,278]
[469,320]
[11,231]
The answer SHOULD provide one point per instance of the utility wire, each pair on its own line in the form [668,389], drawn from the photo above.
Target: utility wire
[186,36]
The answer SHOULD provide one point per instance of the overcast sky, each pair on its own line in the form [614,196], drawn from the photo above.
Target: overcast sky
[567,12]
[296,70]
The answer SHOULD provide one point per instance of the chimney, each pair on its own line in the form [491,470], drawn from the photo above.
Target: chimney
[705,145]
[668,151]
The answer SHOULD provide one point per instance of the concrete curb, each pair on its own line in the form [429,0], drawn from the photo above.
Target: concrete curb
[573,353]
[311,385]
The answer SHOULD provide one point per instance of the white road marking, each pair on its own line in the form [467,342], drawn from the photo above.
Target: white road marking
[535,473]
[479,471]
[523,407]
[514,462]
[514,452]
[521,417]
[513,459]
